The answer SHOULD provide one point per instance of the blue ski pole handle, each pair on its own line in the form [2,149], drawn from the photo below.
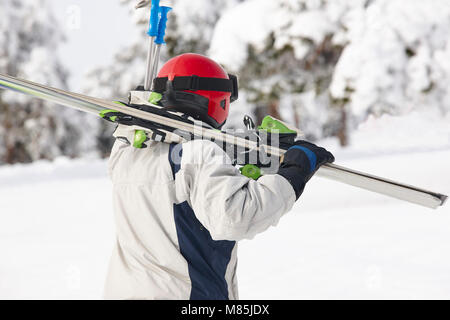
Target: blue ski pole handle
[154,19]
[163,11]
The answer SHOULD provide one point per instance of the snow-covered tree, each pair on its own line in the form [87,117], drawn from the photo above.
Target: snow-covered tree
[396,59]
[323,65]
[288,53]
[30,129]
[285,53]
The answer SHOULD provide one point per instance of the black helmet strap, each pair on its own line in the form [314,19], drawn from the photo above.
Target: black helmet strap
[194,83]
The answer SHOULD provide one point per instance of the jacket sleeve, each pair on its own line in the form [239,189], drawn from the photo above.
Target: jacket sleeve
[230,205]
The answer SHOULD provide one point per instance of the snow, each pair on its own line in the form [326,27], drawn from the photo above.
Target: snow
[424,131]
[393,60]
[30,37]
[56,223]
[247,23]
[252,21]
[56,229]
[292,22]
[339,242]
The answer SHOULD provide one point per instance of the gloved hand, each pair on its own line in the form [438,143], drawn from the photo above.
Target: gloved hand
[300,163]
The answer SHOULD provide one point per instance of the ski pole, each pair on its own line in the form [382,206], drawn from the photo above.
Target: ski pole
[159,41]
[152,32]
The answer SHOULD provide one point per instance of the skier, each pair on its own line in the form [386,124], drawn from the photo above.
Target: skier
[181,208]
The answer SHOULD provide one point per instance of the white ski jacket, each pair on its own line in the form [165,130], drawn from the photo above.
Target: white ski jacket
[179,210]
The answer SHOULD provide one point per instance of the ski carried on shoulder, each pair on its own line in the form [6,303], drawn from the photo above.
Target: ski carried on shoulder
[251,148]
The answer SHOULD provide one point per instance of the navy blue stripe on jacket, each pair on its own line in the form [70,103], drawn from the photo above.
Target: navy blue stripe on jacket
[207,258]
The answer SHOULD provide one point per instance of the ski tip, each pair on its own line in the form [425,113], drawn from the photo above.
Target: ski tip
[443,198]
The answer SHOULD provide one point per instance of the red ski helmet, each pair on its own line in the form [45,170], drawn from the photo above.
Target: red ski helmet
[198,86]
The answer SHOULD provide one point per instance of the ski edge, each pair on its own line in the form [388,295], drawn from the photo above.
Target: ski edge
[384,186]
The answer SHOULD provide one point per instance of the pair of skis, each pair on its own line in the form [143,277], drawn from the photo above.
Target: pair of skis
[143,116]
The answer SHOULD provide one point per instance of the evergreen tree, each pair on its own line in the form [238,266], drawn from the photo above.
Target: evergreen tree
[30,129]
[396,58]
[323,65]
[285,53]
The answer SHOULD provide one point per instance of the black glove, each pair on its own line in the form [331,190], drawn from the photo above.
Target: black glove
[300,163]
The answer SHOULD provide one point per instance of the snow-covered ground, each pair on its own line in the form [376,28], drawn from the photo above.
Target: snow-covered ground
[56,229]
[339,242]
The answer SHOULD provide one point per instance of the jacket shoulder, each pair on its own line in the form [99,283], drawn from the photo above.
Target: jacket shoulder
[204,152]
[128,164]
